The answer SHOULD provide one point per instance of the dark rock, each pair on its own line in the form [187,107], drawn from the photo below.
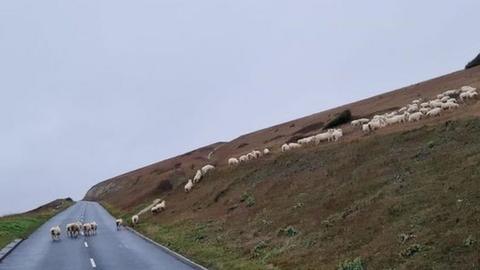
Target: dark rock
[475,62]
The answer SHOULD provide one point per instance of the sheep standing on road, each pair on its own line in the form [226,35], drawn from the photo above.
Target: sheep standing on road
[135,220]
[55,233]
[188,185]
[87,229]
[73,229]
[94,227]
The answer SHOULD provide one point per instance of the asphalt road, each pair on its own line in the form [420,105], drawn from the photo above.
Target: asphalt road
[109,249]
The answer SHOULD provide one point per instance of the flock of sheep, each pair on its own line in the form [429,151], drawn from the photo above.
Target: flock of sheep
[418,109]
[74,229]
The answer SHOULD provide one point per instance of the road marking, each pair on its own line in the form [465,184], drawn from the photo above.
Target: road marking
[86,244]
[93,263]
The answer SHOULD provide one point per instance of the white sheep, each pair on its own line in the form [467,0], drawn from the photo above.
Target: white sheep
[306,140]
[444,99]
[436,103]
[434,112]
[366,128]
[412,108]
[468,95]
[119,223]
[198,176]
[395,119]
[266,151]
[134,220]
[294,145]
[188,185]
[257,153]
[158,208]
[285,147]
[424,110]
[232,161]
[325,136]
[94,227]
[73,229]
[467,88]
[424,104]
[403,109]
[251,156]
[417,101]
[415,117]
[450,92]
[449,105]
[55,233]
[207,168]
[337,134]
[87,229]
[243,158]
[439,96]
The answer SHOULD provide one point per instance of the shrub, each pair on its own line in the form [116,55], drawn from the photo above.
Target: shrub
[248,199]
[355,264]
[411,251]
[339,119]
[288,231]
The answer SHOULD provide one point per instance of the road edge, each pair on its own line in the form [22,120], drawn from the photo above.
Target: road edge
[4,252]
[169,251]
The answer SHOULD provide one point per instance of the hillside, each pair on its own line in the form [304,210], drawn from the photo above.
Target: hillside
[404,197]
[21,225]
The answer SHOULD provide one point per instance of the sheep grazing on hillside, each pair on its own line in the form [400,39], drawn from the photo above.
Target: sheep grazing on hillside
[424,110]
[336,134]
[243,158]
[158,208]
[424,105]
[207,168]
[257,153]
[266,151]
[412,108]
[359,122]
[417,101]
[251,156]
[87,229]
[188,186]
[468,95]
[450,92]
[467,88]
[306,140]
[436,103]
[55,233]
[294,145]
[119,223]
[285,147]
[449,105]
[232,161]
[366,128]
[321,137]
[415,117]
[134,220]
[434,112]
[198,176]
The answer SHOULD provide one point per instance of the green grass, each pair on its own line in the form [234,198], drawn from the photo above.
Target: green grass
[22,225]
[196,241]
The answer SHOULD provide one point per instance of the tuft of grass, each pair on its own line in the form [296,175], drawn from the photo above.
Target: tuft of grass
[289,231]
[355,264]
[248,199]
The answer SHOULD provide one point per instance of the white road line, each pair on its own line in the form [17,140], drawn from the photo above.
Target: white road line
[93,263]
[86,244]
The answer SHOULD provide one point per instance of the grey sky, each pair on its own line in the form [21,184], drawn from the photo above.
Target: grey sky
[92,89]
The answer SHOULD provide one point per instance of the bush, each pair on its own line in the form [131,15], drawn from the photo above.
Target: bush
[355,264]
[475,62]
[248,199]
[339,119]
[288,231]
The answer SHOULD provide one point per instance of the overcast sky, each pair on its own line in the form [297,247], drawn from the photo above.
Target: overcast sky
[91,89]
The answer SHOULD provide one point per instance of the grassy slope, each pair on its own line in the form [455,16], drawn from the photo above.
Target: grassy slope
[315,207]
[22,225]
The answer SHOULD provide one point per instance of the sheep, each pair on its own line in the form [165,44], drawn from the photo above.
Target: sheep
[119,223]
[135,220]
[435,103]
[403,109]
[243,158]
[285,147]
[439,96]
[434,112]
[416,101]
[450,92]
[325,136]
[467,88]
[207,168]
[452,100]
[87,229]
[188,186]
[415,117]
[424,110]
[444,99]
[412,108]
[424,105]
[294,145]
[232,162]
[306,140]
[366,128]
[266,151]
[337,134]
[94,227]
[468,95]
[257,153]
[198,176]
[158,208]
[449,105]
[359,122]
[55,233]
[73,229]
[251,156]
[377,123]
[395,119]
